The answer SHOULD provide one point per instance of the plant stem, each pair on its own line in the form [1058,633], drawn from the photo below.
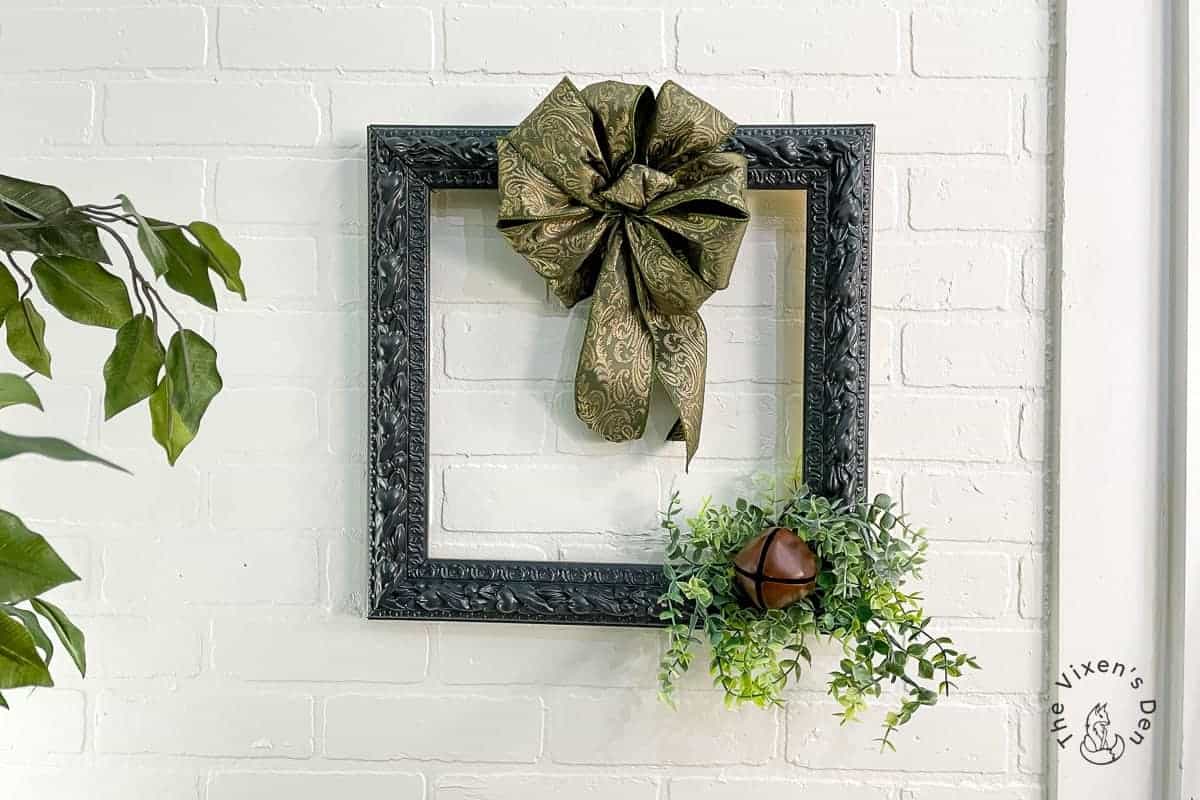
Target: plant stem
[24,276]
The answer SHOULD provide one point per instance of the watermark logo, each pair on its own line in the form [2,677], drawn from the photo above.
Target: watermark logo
[1100,707]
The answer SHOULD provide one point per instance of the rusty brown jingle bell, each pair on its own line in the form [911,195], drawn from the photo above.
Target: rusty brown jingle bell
[776,568]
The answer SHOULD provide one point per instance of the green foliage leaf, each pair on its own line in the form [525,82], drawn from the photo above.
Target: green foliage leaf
[8,289]
[27,336]
[16,391]
[83,291]
[28,564]
[192,366]
[37,200]
[189,267]
[152,247]
[131,371]
[34,626]
[20,664]
[71,637]
[17,239]
[223,259]
[14,445]
[166,424]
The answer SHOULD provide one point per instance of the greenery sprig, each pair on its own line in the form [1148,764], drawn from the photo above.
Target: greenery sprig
[867,553]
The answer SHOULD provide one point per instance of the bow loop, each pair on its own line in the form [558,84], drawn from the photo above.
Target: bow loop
[614,194]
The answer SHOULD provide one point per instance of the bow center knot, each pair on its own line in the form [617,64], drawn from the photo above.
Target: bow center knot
[636,186]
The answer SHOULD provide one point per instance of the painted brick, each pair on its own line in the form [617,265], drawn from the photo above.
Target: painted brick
[943,427]
[1011,661]
[61,39]
[96,783]
[347,422]
[469,262]
[1031,740]
[967,584]
[886,200]
[883,346]
[952,738]
[1033,430]
[205,723]
[373,39]
[937,276]
[1036,121]
[1034,278]
[281,497]
[191,112]
[634,727]
[315,785]
[260,421]
[275,650]
[567,39]
[499,422]
[978,506]
[140,647]
[344,260]
[910,117]
[166,188]
[291,191]
[51,113]
[1007,43]
[496,498]
[102,497]
[357,105]
[288,345]
[522,787]
[792,40]
[979,198]
[496,654]
[50,721]
[510,345]
[212,569]
[976,353]
[285,269]
[453,727]
[969,792]
[1032,602]
[739,788]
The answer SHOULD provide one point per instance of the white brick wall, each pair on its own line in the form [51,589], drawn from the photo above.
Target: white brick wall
[223,598]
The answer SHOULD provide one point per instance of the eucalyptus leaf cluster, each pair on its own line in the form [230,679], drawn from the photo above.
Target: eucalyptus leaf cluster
[55,245]
[868,553]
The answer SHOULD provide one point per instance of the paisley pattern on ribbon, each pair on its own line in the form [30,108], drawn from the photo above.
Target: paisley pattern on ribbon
[612,193]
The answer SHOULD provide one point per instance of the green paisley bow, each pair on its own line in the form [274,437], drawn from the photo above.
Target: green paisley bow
[612,193]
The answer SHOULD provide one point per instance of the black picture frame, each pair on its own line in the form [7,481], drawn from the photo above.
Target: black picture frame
[405,163]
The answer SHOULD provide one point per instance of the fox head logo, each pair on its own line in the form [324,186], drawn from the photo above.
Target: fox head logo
[1098,745]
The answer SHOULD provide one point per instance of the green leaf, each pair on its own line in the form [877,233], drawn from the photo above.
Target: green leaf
[19,239]
[14,445]
[83,291]
[192,366]
[20,664]
[925,669]
[188,273]
[27,336]
[37,200]
[222,258]
[131,371]
[165,423]
[71,234]
[8,289]
[153,247]
[70,635]
[3,702]
[34,626]
[28,564]
[16,391]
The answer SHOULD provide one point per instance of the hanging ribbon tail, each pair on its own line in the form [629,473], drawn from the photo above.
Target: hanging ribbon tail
[616,370]
[680,356]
